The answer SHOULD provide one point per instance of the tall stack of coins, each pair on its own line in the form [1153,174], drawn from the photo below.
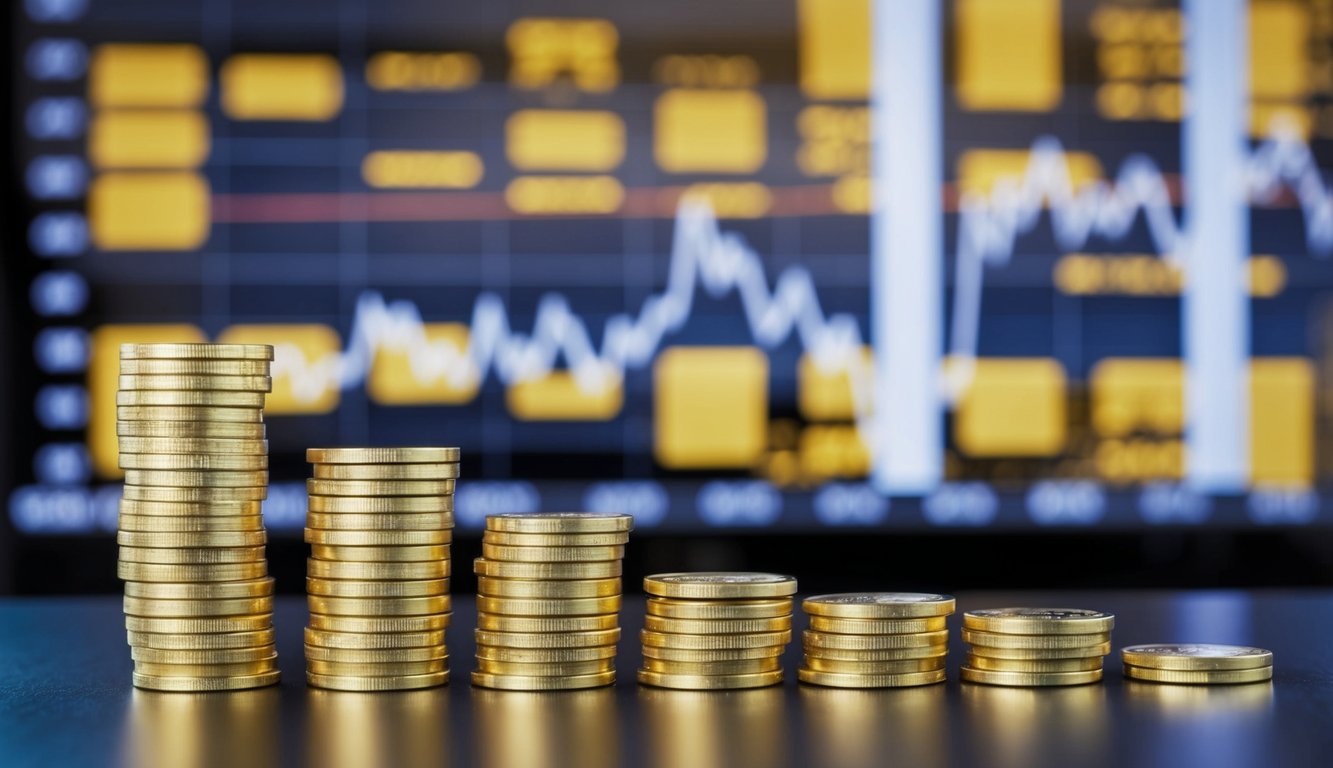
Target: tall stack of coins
[548,600]
[1036,646]
[1197,663]
[876,639]
[198,599]
[716,630]
[380,525]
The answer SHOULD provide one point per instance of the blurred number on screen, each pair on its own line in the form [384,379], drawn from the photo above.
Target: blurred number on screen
[42,509]
[57,59]
[747,503]
[57,177]
[56,118]
[1066,502]
[57,234]
[1283,506]
[62,350]
[62,464]
[62,406]
[850,504]
[59,293]
[1162,503]
[285,507]
[475,501]
[646,501]
[971,504]
[54,11]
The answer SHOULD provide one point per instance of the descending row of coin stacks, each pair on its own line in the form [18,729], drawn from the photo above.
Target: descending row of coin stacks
[548,600]
[198,598]
[1036,646]
[380,526]
[1197,663]
[876,639]
[716,630]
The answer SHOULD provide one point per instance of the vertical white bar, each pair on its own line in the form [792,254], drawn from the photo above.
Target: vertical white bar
[906,244]
[1216,302]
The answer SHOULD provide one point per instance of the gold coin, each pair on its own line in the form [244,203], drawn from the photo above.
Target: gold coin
[167,608]
[366,684]
[197,556]
[179,367]
[376,624]
[997,640]
[1196,657]
[710,682]
[189,413]
[897,667]
[492,587]
[729,667]
[199,524]
[876,626]
[159,493]
[383,505]
[389,539]
[187,479]
[191,399]
[382,669]
[196,383]
[545,655]
[701,655]
[380,487]
[879,605]
[208,510]
[417,554]
[220,590]
[819,640]
[1039,621]
[1030,679]
[938,650]
[1200,677]
[716,626]
[383,522]
[328,569]
[361,641]
[900,680]
[242,668]
[219,656]
[217,641]
[555,539]
[506,606]
[530,683]
[1034,665]
[554,571]
[708,642]
[378,606]
[494,623]
[556,640]
[386,471]
[201,626]
[376,656]
[191,573]
[195,461]
[719,585]
[551,554]
[193,445]
[177,430]
[192,539]
[559,522]
[195,351]
[1041,654]
[552,669]
[202,684]
[420,588]
[719,609]
[417,455]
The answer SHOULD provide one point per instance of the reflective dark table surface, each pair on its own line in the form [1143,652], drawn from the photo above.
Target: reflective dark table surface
[66,700]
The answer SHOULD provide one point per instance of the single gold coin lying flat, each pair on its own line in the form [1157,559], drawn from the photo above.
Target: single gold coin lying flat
[1200,677]
[145,606]
[220,590]
[244,668]
[382,523]
[372,539]
[193,461]
[178,367]
[719,585]
[556,640]
[191,399]
[545,655]
[216,641]
[820,640]
[412,455]
[1034,665]
[367,684]
[373,642]
[492,587]
[509,606]
[198,495]
[381,669]
[551,554]
[196,556]
[876,626]
[192,539]
[1196,657]
[191,573]
[380,487]
[328,569]
[559,522]
[379,624]
[213,446]
[178,383]
[899,667]
[219,656]
[196,479]
[729,667]
[506,539]
[189,413]
[879,605]
[378,606]
[1039,654]
[530,683]
[386,471]
[703,655]
[201,626]
[1030,679]
[386,554]
[841,680]
[1039,621]
[204,684]
[716,626]
[719,609]
[398,506]
[706,642]
[198,524]
[552,669]
[709,682]
[939,650]
[999,640]
[495,623]
[195,351]
[417,588]
[375,656]
[556,571]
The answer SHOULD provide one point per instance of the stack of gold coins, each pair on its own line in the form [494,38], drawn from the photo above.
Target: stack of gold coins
[548,600]
[1197,663]
[380,525]
[876,639]
[716,630]
[1036,646]
[198,599]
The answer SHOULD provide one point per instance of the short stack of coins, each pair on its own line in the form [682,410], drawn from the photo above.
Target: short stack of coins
[1028,647]
[1197,663]
[876,639]
[198,598]
[380,525]
[548,600]
[716,630]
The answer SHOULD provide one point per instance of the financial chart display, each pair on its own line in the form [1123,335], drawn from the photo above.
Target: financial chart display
[640,256]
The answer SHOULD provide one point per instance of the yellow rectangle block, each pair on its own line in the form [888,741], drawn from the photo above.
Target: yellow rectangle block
[1279,49]
[564,140]
[980,169]
[104,380]
[176,138]
[554,195]
[398,169]
[557,396]
[1008,54]
[703,131]
[827,395]
[306,366]
[1138,394]
[432,369]
[144,75]
[281,86]
[1013,408]
[710,407]
[1282,422]
[834,48]
[149,211]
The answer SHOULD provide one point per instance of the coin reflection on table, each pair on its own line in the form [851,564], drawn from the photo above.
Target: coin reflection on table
[546,729]
[715,729]
[849,728]
[362,730]
[1191,701]
[171,730]
[1047,726]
